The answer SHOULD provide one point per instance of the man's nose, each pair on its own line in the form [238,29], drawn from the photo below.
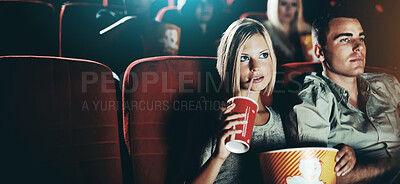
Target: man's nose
[358,46]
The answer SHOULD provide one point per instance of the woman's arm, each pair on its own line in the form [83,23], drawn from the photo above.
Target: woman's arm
[210,169]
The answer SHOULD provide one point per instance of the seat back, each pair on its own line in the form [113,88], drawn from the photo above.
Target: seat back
[260,16]
[28,27]
[160,96]
[80,26]
[59,122]
[169,14]
[288,72]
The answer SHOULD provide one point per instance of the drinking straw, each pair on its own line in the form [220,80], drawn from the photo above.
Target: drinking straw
[248,90]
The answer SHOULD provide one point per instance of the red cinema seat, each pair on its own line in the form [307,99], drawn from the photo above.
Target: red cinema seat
[168,14]
[260,16]
[154,89]
[28,28]
[59,122]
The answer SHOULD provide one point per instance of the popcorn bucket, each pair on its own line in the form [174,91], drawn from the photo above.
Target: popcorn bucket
[299,166]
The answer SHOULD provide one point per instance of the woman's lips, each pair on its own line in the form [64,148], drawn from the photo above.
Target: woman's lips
[257,79]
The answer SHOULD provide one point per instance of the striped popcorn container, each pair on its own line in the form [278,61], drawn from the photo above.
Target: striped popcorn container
[299,166]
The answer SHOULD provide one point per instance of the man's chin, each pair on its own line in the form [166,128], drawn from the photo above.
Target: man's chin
[358,72]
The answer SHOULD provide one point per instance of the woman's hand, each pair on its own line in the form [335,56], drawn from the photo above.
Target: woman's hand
[345,158]
[228,121]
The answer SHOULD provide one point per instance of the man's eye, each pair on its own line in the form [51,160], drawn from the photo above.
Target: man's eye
[244,58]
[362,39]
[344,40]
[264,55]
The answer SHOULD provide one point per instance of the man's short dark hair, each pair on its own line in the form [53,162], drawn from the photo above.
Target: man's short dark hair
[320,29]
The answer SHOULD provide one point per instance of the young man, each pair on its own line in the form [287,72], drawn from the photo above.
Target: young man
[344,105]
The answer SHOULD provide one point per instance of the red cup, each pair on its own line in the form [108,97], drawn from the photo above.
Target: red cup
[240,143]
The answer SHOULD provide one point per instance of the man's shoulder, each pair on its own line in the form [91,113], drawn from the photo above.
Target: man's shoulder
[314,80]
[314,85]
[314,77]
[379,77]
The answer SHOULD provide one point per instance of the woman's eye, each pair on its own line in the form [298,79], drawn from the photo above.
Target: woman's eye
[294,4]
[283,3]
[345,40]
[264,55]
[244,58]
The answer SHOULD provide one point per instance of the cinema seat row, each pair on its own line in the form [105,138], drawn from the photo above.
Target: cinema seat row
[70,121]
[37,28]
[78,30]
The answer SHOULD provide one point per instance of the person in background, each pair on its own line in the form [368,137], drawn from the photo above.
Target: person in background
[290,34]
[245,52]
[201,26]
[344,105]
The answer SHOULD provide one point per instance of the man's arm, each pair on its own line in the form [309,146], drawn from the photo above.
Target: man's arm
[382,170]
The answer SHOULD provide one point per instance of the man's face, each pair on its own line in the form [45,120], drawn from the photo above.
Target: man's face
[345,50]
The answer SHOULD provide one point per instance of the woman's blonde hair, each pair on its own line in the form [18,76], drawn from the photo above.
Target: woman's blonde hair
[299,24]
[230,50]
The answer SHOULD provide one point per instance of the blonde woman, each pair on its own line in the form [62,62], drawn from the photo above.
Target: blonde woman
[286,25]
[245,52]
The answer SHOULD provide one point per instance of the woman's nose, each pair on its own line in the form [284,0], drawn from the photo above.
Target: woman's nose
[255,65]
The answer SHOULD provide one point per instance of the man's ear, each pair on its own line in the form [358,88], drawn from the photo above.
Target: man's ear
[319,52]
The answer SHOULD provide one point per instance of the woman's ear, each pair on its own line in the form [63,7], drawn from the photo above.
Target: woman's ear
[319,52]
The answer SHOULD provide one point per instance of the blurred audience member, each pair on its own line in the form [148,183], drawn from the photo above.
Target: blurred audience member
[157,38]
[201,27]
[289,32]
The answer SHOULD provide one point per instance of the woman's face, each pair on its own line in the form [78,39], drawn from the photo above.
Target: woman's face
[287,11]
[255,62]
[204,11]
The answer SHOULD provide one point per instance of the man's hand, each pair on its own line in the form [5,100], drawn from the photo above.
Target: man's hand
[345,158]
